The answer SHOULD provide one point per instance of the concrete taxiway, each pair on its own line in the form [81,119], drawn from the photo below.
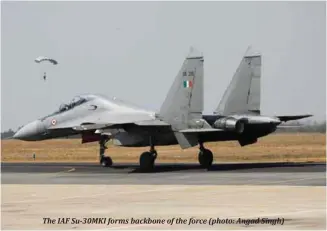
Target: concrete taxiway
[164,174]
[289,191]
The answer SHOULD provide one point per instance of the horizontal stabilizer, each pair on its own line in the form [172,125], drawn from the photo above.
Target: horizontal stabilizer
[296,117]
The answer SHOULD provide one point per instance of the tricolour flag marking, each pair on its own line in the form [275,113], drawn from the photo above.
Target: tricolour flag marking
[188,84]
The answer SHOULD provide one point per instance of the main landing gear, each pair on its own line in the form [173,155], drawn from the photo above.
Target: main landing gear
[147,159]
[105,161]
[205,157]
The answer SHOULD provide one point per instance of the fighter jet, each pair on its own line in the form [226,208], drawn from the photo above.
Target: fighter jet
[179,121]
[99,118]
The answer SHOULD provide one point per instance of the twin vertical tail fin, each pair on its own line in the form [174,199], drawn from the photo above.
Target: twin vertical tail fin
[243,92]
[184,101]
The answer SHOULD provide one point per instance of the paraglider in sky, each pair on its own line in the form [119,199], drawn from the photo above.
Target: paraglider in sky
[41,59]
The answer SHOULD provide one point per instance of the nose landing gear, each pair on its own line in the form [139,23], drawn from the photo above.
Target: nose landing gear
[105,161]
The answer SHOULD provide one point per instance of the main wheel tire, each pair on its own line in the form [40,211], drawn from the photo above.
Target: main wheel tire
[205,158]
[147,161]
[106,161]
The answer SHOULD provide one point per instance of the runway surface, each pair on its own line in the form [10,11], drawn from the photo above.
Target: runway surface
[306,174]
[288,192]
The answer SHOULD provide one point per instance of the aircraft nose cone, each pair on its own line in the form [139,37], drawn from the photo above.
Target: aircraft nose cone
[30,131]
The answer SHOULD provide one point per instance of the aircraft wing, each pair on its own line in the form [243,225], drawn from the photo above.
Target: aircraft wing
[296,117]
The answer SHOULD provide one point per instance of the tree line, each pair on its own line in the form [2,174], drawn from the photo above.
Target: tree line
[300,127]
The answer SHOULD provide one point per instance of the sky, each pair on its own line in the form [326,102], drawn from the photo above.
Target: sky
[133,50]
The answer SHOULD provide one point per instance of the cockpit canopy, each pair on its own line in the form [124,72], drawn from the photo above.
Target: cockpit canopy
[78,100]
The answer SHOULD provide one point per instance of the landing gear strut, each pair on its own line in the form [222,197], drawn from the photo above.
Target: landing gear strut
[105,161]
[147,159]
[205,157]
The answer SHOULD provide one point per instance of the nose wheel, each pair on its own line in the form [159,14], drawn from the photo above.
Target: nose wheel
[105,161]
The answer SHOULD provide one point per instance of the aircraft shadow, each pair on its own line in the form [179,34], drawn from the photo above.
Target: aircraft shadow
[264,167]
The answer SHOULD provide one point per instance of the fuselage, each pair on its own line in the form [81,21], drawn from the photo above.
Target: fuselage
[97,109]
[258,126]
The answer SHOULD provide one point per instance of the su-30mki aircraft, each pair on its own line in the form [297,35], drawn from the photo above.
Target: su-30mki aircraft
[179,121]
